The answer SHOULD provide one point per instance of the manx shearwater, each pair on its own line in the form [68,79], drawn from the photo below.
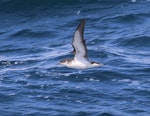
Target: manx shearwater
[80,60]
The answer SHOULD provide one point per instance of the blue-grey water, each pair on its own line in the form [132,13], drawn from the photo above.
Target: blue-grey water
[36,34]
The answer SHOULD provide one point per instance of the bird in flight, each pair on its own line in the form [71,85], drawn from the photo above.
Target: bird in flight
[80,60]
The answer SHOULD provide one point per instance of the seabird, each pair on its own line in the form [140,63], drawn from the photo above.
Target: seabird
[80,60]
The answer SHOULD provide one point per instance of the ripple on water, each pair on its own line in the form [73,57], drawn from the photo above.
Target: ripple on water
[138,42]
[34,41]
[33,34]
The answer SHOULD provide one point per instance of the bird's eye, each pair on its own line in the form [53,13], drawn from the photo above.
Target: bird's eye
[62,61]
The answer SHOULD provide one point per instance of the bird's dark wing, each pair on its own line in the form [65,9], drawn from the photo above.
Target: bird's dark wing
[78,42]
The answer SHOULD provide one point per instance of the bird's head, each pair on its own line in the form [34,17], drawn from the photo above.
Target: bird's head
[64,62]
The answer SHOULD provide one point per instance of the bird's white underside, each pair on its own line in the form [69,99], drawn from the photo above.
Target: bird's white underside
[80,64]
[79,46]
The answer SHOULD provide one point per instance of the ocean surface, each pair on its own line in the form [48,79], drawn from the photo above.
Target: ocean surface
[36,34]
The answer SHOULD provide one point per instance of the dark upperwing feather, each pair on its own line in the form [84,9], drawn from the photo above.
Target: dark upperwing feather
[78,42]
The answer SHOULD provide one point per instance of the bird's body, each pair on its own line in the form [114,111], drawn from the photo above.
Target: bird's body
[80,60]
[79,64]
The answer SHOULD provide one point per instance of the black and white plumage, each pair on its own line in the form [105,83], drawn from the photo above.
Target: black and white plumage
[80,60]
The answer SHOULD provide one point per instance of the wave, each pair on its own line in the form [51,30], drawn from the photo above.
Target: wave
[10,5]
[33,34]
[142,41]
[59,1]
[129,18]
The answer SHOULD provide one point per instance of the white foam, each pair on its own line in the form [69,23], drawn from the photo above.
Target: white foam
[64,74]
[125,80]
[16,62]
[42,86]
[79,101]
[135,83]
[67,74]
[46,97]
[78,12]
[27,75]
[91,79]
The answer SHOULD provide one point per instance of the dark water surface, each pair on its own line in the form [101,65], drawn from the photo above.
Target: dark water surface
[36,34]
